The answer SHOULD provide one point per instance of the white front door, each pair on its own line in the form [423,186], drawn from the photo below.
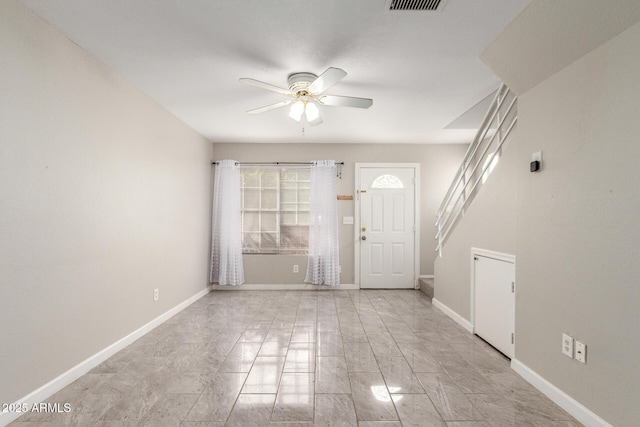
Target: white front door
[495,301]
[387,227]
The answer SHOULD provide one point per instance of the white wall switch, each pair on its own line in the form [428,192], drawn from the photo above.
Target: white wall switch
[567,346]
[581,352]
[156,294]
[295,268]
[347,220]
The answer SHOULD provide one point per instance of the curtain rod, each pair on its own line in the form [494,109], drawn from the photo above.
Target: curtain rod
[274,163]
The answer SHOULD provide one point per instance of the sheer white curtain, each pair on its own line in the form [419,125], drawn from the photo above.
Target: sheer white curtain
[323,264]
[226,239]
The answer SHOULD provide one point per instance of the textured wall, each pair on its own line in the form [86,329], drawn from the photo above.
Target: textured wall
[104,196]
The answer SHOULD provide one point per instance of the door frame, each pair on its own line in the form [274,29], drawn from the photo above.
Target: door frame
[500,257]
[416,213]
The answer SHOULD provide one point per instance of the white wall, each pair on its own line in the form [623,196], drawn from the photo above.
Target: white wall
[104,196]
[575,230]
[438,165]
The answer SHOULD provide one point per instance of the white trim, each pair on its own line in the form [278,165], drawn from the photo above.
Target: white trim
[559,397]
[453,315]
[284,287]
[493,254]
[416,219]
[416,207]
[63,380]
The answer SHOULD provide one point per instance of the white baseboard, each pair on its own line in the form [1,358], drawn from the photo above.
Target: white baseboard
[63,380]
[284,287]
[426,276]
[559,397]
[562,399]
[453,315]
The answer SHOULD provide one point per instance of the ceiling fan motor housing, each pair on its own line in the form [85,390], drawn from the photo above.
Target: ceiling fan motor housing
[299,82]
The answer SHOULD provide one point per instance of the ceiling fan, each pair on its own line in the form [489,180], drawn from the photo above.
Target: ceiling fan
[306,91]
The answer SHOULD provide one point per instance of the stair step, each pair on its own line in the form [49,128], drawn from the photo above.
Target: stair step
[426,286]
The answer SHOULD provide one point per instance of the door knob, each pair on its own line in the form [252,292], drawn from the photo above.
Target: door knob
[364,237]
[364,229]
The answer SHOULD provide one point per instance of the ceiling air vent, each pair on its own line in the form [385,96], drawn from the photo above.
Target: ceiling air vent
[428,5]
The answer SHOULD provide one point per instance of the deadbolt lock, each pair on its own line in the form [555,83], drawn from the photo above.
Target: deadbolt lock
[364,229]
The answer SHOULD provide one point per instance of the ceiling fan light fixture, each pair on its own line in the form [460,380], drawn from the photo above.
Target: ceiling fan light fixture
[311,112]
[296,111]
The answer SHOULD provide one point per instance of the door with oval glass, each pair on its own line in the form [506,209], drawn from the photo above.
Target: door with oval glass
[387,233]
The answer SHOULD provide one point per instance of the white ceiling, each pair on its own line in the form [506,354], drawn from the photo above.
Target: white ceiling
[422,69]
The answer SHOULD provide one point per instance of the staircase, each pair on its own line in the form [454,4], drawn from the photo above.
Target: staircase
[482,156]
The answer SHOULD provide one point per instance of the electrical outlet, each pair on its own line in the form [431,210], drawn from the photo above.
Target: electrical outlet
[567,346]
[581,352]
[156,294]
[295,268]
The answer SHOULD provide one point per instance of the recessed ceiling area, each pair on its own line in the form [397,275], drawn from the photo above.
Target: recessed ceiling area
[421,68]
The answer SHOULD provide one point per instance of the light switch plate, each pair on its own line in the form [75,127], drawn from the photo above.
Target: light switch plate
[581,352]
[347,220]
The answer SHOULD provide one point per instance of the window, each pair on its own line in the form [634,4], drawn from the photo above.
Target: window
[275,210]
[387,181]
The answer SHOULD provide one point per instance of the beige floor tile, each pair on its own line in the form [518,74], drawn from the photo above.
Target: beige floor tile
[264,376]
[240,358]
[329,344]
[252,410]
[332,375]
[360,357]
[398,375]
[334,410]
[373,358]
[417,410]
[295,399]
[450,402]
[301,357]
[371,397]
[379,424]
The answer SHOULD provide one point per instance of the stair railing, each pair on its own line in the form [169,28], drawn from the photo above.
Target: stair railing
[478,162]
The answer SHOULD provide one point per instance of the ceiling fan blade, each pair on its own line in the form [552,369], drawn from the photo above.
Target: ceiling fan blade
[345,101]
[267,86]
[327,79]
[270,107]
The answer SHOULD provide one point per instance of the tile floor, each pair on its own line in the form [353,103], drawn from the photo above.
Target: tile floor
[305,358]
